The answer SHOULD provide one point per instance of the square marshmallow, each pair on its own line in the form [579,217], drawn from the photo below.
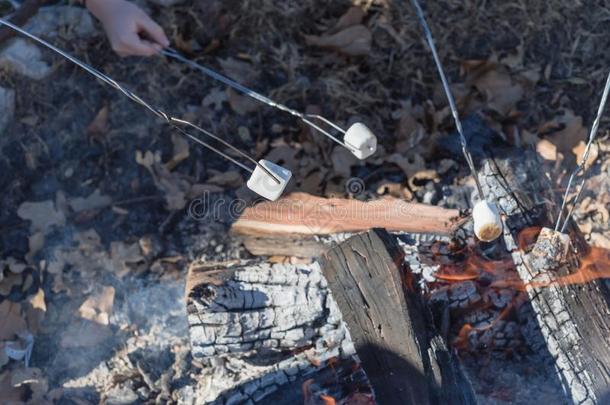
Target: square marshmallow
[264,185]
[361,140]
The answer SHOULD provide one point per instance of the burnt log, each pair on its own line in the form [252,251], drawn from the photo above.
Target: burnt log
[269,333]
[572,317]
[406,361]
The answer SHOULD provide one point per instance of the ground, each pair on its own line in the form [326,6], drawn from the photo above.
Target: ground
[98,221]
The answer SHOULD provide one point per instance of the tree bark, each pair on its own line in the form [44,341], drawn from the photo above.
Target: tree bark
[406,361]
[572,318]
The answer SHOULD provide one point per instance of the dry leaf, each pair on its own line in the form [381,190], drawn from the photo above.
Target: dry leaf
[422,177]
[242,72]
[98,128]
[98,307]
[33,379]
[11,394]
[42,215]
[571,132]
[215,98]
[94,201]
[123,255]
[353,16]
[501,92]
[242,104]
[12,265]
[579,151]
[11,320]
[546,149]
[36,310]
[180,151]
[353,41]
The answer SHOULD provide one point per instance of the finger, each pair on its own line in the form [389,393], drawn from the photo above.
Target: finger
[133,45]
[153,31]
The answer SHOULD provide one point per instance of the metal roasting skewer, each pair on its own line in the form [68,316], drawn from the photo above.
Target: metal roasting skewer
[306,118]
[581,167]
[454,111]
[172,121]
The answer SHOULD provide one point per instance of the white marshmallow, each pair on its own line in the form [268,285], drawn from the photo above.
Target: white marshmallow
[361,140]
[487,221]
[264,185]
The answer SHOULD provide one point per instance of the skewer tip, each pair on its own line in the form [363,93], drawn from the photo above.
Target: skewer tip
[361,140]
[264,185]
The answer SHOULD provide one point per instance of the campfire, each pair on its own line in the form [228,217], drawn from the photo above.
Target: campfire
[306,202]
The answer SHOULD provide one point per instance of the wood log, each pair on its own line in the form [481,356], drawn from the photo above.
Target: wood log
[269,334]
[572,318]
[298,225]
[393,334]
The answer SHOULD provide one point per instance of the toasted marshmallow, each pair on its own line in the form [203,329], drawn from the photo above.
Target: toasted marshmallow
[361,140]
[264,185]
[487,221]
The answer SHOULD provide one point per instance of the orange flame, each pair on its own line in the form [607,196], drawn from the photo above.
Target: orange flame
[328,400]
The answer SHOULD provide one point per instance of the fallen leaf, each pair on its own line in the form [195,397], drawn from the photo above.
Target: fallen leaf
[33,379]
[501,92]
[10,394]
[98,307]
[241,104]
[98,128]
[565,132]
[353,16]
[215,98]
[35,244]
[41,214]
[579,151]
[123,255]
[11,320]
[94,201]
[353,41]
[13,265]
[546,149]
[36,310]
[242,72]
[420,178]
[180,151]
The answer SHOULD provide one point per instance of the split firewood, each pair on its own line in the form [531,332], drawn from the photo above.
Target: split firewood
[406,361]
[295,224]
[572,311]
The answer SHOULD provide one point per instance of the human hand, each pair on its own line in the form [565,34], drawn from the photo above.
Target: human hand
[129,29]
